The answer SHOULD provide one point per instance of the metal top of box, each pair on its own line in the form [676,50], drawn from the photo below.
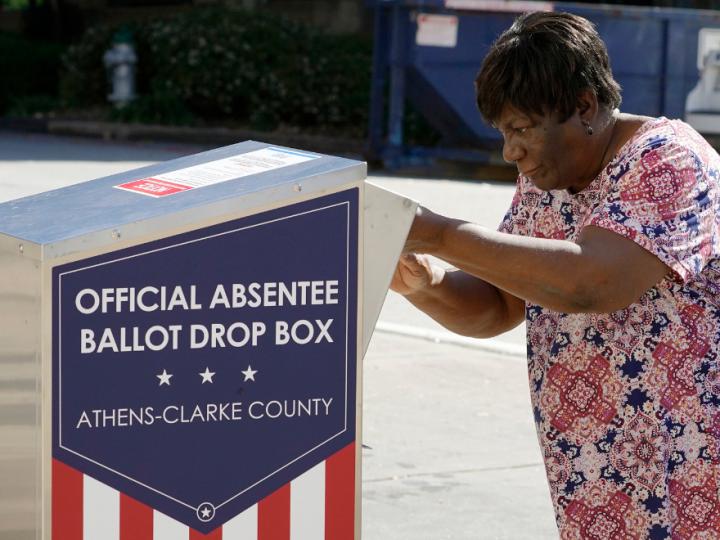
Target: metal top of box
[233,172]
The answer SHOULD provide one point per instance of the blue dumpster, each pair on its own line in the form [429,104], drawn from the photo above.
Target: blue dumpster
[653,52]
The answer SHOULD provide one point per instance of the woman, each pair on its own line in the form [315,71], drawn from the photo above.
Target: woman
[611,254]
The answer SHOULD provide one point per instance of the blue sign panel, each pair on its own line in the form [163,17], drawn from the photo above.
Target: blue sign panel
[201,372]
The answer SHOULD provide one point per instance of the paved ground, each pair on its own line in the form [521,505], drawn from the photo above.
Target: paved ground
[453,452]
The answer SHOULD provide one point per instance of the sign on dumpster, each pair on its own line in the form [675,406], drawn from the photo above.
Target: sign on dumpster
[198,380]
[187,366]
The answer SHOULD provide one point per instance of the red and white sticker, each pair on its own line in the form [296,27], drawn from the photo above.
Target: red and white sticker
[214,172]
[153,187]
[437,30]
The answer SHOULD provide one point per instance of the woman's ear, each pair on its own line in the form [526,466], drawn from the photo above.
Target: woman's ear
[587,105]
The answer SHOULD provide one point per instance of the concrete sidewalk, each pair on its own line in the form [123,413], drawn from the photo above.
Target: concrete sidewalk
[453,452]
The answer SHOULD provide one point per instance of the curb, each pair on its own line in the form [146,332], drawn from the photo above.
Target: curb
[486,345]
[212,136]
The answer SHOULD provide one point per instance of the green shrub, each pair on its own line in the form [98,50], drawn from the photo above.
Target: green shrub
[157,107]
[234,66]
[83,79]
[33,104]
[28,68]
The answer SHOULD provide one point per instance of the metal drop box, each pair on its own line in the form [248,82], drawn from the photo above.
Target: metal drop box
[181,348]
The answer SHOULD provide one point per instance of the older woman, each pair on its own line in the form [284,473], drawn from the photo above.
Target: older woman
[611,254]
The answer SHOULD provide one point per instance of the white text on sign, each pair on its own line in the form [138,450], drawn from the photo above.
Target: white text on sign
[213,336]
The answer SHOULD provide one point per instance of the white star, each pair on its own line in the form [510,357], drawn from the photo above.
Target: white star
[207,376]
[164,378]
[249,374]
[205,512]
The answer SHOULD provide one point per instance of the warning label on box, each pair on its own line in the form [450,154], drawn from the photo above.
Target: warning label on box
[214,172]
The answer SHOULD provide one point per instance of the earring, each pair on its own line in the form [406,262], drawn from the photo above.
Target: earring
[588,128]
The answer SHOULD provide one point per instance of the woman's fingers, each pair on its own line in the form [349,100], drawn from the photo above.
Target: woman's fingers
[413,272]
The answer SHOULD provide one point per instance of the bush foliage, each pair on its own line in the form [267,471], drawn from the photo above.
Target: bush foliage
[235,66]
[28,68]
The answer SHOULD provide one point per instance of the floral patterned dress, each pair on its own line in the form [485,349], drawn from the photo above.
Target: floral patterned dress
[627,404]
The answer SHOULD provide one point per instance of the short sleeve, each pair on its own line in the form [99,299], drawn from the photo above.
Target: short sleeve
[663,200]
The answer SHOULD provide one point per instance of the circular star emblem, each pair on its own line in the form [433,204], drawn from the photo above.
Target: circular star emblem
[205,512]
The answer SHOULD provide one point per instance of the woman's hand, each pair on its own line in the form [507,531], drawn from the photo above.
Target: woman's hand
[414,273]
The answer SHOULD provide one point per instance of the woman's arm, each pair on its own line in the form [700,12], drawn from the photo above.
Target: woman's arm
[602,272]
[460,302]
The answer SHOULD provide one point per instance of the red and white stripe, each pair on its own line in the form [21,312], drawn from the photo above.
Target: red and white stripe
[318,505]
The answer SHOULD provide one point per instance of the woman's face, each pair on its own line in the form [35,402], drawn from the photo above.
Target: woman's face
[552,155]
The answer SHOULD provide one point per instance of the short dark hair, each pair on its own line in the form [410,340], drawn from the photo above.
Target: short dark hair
[541,64]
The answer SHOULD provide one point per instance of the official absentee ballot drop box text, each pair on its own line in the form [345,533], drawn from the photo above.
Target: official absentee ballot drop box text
[181,348]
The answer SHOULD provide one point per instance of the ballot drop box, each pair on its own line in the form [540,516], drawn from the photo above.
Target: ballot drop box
[181,348]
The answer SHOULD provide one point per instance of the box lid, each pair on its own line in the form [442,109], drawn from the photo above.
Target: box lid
[245,174]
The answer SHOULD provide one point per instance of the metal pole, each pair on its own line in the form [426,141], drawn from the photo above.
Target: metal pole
[378,84]
[398,60]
